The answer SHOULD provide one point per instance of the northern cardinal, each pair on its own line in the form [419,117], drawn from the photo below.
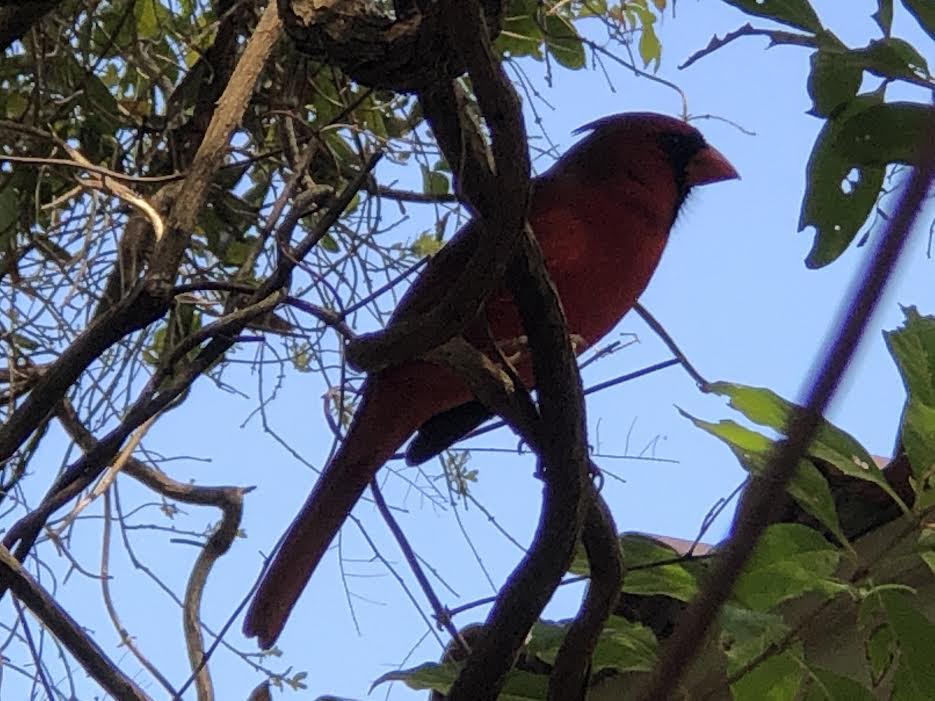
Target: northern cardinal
[602,215]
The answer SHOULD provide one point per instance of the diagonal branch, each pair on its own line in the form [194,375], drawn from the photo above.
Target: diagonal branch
[765,491]
[67,630]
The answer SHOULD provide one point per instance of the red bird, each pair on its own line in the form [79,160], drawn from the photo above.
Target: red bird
[602,216]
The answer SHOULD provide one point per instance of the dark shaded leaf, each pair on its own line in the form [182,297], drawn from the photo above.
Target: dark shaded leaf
[884,15]
[924,12]
[887,133]
[893,58]
[795,13]
[834,80]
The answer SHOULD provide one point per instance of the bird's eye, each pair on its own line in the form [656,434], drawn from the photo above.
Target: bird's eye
[681,148]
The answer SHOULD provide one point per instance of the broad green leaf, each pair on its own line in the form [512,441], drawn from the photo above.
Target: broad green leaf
[915,635]
[808,486]
[913,348]
[924,12]
[789,560]
[886,133]
[880,652]
[777,678]
[836,203]
[563,42]
[828,686]
[833,81]
[673,579]
[150,16]
[893,58]
[831,444]
[623,646]
[795,13]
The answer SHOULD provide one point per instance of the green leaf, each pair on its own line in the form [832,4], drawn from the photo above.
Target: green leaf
[831,444]
[893,58]
[795,13]
[913,348]
[789,560]
[777,678]
[519,686]
[834,80]
[329,243]
[673,579]
[563,42]
[836,204]
[521,34]
[746,634]
[808,486]
[884,15]
[828,686]
[887,133]
[924,12]
[434,182]
[237,251]
[880,651]
[427,245]
[150,16]
[623,646]
[915,635]
[650,48]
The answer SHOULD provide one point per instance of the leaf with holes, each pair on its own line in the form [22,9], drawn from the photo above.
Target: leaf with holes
[834,204]
[887,133]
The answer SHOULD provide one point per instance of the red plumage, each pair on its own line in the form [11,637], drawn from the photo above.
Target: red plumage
[602,216]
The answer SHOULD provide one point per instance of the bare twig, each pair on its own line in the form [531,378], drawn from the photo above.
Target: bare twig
[67,630]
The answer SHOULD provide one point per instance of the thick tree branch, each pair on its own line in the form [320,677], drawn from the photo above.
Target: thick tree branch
[405,53]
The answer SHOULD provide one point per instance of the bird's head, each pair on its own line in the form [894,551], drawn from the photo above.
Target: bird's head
[641,144]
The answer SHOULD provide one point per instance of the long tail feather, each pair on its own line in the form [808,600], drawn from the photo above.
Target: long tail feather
[379,428]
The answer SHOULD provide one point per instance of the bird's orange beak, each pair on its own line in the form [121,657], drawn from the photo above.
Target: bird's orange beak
[709,166]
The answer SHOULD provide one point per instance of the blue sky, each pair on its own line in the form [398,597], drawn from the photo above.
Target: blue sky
[732,290]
